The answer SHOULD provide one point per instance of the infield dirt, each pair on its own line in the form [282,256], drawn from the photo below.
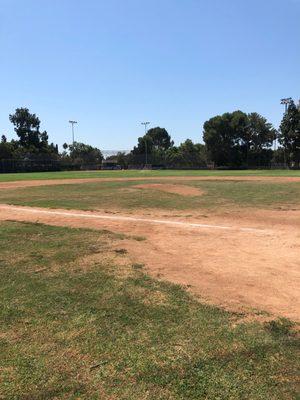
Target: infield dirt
[247,271]
[68,181]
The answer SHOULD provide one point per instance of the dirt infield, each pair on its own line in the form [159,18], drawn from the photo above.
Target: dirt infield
[249,262]
[51,182]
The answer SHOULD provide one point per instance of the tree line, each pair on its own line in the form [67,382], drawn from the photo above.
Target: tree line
[231,140]
[33,147]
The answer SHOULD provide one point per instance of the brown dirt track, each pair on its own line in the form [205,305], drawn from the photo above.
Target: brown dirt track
[240,270]
[51,182]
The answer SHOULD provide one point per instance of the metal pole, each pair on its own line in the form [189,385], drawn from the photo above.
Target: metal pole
[286,101]
[72,123]
[146,149]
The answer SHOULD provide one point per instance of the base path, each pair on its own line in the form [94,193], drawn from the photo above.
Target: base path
[74,181]
[240,264]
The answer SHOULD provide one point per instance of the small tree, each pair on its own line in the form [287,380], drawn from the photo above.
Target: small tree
[187,155]
[85,154]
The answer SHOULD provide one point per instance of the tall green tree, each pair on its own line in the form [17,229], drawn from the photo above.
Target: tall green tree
[260,133]
[161,140]
[27,128]
[224,136]
[156,139]
[289,136]
[154,143]
[258,139]
[237,139]
[144,142]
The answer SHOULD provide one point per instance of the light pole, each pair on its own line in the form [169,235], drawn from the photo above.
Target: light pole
[73,123]
[146,150]
[286,102]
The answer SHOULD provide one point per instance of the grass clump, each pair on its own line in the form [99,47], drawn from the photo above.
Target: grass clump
[281,327]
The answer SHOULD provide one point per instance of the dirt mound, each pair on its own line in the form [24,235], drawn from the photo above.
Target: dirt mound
[169,188]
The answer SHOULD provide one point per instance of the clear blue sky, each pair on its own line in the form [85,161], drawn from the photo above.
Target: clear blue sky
[112,64]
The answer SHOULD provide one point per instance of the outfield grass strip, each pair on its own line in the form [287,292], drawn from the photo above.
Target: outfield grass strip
[24,176]
[137,219]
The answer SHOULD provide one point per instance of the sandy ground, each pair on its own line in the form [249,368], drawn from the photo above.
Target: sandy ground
[219,258]
[51,182]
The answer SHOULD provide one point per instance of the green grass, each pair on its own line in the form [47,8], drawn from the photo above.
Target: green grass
[120,195]
[75,323]
[137,174]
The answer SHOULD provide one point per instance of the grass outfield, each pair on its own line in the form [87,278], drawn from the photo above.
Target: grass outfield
[123,195]
[78,320]
[138,173]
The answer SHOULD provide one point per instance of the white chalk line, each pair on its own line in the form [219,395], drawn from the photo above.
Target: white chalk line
[134,219]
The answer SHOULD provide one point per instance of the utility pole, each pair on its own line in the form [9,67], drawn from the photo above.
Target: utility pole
[146,150]
[286,102]
[73,123]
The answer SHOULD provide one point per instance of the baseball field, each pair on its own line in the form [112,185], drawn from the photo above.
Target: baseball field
[150,285]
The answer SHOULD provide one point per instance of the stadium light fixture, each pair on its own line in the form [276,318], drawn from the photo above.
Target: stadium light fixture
[146,150]
[73,123]
[286,102]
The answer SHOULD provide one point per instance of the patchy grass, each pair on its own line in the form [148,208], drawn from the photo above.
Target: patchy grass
[140,173]
[116,195]
[74,329]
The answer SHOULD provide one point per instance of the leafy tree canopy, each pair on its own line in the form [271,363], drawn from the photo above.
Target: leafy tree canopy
[187,155]
[85,153]
[232,136]
[260,133]
[161,140]
[156,139]
[27,128]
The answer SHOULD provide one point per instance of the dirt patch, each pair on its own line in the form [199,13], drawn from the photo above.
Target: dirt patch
[238,269]
[51,182]
[182,190]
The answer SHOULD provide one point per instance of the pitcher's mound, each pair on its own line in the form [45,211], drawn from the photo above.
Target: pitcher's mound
[176,189]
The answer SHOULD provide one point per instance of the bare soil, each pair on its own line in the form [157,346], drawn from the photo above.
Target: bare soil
[51,182]
[234,268]
[169,188]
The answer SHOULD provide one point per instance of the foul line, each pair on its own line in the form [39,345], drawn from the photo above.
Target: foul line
[135,219]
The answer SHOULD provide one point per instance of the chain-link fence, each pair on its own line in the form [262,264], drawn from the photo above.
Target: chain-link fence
[16,165]
[40,165]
